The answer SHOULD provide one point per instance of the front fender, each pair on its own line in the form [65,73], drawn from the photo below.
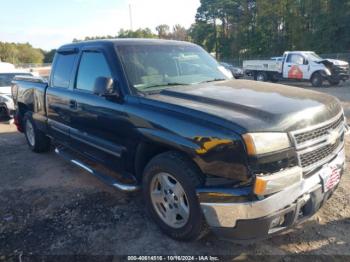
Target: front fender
[216,155]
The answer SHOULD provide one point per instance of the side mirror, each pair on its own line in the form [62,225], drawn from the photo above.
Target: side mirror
[105,86]
[306,62]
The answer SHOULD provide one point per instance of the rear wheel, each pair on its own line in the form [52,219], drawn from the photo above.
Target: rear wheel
[261,76]
[316,80]
[169,184]
[37,140]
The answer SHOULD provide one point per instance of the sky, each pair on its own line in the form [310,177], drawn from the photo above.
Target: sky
[47,24]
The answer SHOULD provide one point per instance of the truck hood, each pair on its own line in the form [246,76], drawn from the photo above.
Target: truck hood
[254,106]
[333,61]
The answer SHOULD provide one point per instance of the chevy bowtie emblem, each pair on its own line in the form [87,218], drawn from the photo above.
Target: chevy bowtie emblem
[333,136]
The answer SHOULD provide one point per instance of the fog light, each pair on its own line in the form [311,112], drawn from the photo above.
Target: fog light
[268,184]
[277,221]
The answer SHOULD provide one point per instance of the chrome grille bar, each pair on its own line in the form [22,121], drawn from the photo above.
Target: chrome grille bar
[315,152]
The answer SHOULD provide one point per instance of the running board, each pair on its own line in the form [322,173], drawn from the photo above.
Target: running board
[105,179]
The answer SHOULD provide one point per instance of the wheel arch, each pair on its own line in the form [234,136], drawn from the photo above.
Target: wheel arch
[158,142]
[319,71]
[22,109]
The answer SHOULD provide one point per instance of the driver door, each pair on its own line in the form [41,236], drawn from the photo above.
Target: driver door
[97,122]
[296,67]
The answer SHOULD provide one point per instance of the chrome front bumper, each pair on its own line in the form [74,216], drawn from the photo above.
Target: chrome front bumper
[226,215]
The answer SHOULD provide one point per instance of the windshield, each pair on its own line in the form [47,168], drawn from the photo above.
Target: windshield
[150,67]
[314,57]
[6,78]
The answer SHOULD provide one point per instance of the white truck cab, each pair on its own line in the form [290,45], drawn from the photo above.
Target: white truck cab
[299,65]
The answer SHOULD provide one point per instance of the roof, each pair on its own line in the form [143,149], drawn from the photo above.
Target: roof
[126,41]
[299,52]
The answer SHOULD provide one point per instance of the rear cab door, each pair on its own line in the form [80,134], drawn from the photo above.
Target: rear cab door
[59,101]
[296,66]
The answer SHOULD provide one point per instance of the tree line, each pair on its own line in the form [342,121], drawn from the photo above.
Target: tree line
[238,29]
[17,53]
[163,31]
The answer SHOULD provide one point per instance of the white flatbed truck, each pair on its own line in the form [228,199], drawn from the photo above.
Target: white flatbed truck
[298,65]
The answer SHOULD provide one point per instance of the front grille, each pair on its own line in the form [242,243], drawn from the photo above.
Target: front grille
[341,69]
[317,133]
[313,157]
[315,146]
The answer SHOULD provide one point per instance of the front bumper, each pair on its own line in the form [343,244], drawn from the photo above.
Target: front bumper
[5,111]
[7,107]
[258,219]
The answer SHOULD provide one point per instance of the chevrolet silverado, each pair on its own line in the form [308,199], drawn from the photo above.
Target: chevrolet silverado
[245,159]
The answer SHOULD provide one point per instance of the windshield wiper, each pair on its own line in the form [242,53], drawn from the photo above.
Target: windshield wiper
[213,80]
[167,84]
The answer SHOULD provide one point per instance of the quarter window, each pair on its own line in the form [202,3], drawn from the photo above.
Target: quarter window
[63,70]
[92,66]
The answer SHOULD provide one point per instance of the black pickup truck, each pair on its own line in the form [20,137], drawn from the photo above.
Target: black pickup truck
[244,158]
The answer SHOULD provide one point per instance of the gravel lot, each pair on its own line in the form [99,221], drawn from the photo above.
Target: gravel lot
[49,207]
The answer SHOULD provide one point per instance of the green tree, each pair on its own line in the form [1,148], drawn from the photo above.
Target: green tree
[20,53]
[203,34]
[163,31]
[139,33]
[179,33]
[48,56]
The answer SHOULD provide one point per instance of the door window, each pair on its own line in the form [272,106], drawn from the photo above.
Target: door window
[92,66]
[296,59]
[63,70]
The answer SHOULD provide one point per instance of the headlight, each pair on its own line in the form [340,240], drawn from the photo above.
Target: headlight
[262,143]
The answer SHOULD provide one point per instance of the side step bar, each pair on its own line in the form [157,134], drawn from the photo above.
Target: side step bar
[106,179]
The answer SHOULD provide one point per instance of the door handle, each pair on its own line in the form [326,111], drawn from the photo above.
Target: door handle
[73,104]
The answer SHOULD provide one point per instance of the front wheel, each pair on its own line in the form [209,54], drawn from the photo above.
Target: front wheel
[169,184]
[316,80]
[37,140]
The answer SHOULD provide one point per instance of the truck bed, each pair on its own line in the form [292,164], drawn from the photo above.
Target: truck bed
[262,65]
[29,93]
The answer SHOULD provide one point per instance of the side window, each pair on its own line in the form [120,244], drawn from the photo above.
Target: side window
[63,69]
[296,59]
[92,66]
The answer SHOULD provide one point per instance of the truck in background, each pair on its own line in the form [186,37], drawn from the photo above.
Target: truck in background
[299,65]
[7,73]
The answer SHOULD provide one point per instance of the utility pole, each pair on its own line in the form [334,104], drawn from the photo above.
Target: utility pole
[130,16]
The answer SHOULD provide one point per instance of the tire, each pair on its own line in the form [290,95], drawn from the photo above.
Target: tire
[37,141]
[174,169]
[261,76]
[274,78]
[316,80]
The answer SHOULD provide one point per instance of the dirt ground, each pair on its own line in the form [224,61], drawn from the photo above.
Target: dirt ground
[49,207]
